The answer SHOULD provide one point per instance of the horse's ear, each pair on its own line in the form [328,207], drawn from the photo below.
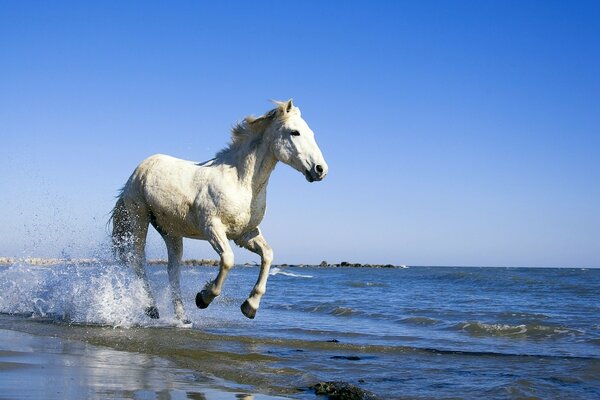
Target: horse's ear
[289,106]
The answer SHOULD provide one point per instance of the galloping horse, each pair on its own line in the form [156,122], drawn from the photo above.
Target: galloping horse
[219,200]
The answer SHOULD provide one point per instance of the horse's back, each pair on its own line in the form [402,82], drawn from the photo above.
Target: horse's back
[162,172]
[182,196]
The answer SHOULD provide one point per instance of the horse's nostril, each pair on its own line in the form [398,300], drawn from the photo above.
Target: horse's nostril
[319,169]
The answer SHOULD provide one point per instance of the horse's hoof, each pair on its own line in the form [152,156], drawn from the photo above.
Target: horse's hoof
[248,310]
[184,324]
[200,303]
[152,312]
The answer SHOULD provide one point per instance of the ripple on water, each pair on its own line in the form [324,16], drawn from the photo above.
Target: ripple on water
[522,315]
[363,284]
[420,321]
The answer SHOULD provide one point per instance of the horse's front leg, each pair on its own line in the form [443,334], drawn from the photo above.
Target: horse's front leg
[256,243]
[175,252]
[217,237]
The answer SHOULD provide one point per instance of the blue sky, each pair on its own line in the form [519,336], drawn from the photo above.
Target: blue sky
[457,133]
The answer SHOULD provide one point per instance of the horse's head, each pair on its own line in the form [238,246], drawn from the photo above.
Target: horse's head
[293,142]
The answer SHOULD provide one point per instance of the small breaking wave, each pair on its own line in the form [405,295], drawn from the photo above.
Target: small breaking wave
[333,309]
[344,312]
[279,271]
[533,331]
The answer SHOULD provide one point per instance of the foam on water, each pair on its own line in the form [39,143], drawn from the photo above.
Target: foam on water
[532,330]
[279,271]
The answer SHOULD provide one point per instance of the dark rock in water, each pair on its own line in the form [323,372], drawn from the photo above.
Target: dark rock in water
[332,341]
[351,358]
[342,391]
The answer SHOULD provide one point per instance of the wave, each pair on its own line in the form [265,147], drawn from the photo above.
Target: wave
[279,271]
[332,309]
[531,330]
[344,312]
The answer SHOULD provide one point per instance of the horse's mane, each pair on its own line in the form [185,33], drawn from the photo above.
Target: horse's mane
[252,127]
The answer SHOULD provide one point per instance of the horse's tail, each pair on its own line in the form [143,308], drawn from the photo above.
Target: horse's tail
[122,230]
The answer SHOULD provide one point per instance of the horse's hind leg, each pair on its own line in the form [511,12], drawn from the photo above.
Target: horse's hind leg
[130,227]
[218,240]
[175,252]
[256,243]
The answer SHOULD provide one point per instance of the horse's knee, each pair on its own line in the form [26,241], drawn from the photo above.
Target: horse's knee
[267,255]
[227,260]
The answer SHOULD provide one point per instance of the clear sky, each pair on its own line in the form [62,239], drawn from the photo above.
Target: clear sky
[456,132]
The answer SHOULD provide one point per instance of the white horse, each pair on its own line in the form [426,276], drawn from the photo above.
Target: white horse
[220,200]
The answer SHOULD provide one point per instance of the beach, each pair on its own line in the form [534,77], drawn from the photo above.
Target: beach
[411,333]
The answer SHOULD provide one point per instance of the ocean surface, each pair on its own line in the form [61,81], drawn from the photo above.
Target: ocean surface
[414,333]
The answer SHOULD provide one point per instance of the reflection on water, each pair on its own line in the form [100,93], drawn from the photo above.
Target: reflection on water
[39,367]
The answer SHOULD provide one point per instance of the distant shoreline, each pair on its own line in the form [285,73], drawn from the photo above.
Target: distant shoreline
[49,262]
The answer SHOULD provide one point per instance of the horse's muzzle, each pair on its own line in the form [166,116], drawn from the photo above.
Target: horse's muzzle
[316,173]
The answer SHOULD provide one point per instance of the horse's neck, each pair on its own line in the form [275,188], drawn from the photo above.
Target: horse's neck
[254,165]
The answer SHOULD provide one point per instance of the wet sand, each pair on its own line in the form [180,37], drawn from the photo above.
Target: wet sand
[43,367]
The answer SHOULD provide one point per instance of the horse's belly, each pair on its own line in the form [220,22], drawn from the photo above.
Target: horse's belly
[175,224]
[191,232]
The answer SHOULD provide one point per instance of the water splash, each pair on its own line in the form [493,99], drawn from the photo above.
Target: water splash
[107,294]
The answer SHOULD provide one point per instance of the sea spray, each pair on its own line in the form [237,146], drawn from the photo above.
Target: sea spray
[106,295]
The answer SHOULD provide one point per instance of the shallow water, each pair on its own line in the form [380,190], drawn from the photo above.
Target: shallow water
[43,367]
[421,332]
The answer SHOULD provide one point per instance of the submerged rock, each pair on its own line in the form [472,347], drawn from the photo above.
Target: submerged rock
[351,358]
[342,391]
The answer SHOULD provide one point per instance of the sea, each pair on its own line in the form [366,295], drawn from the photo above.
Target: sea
[399,333]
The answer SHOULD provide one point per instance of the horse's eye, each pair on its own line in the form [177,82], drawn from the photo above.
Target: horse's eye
[295,133]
